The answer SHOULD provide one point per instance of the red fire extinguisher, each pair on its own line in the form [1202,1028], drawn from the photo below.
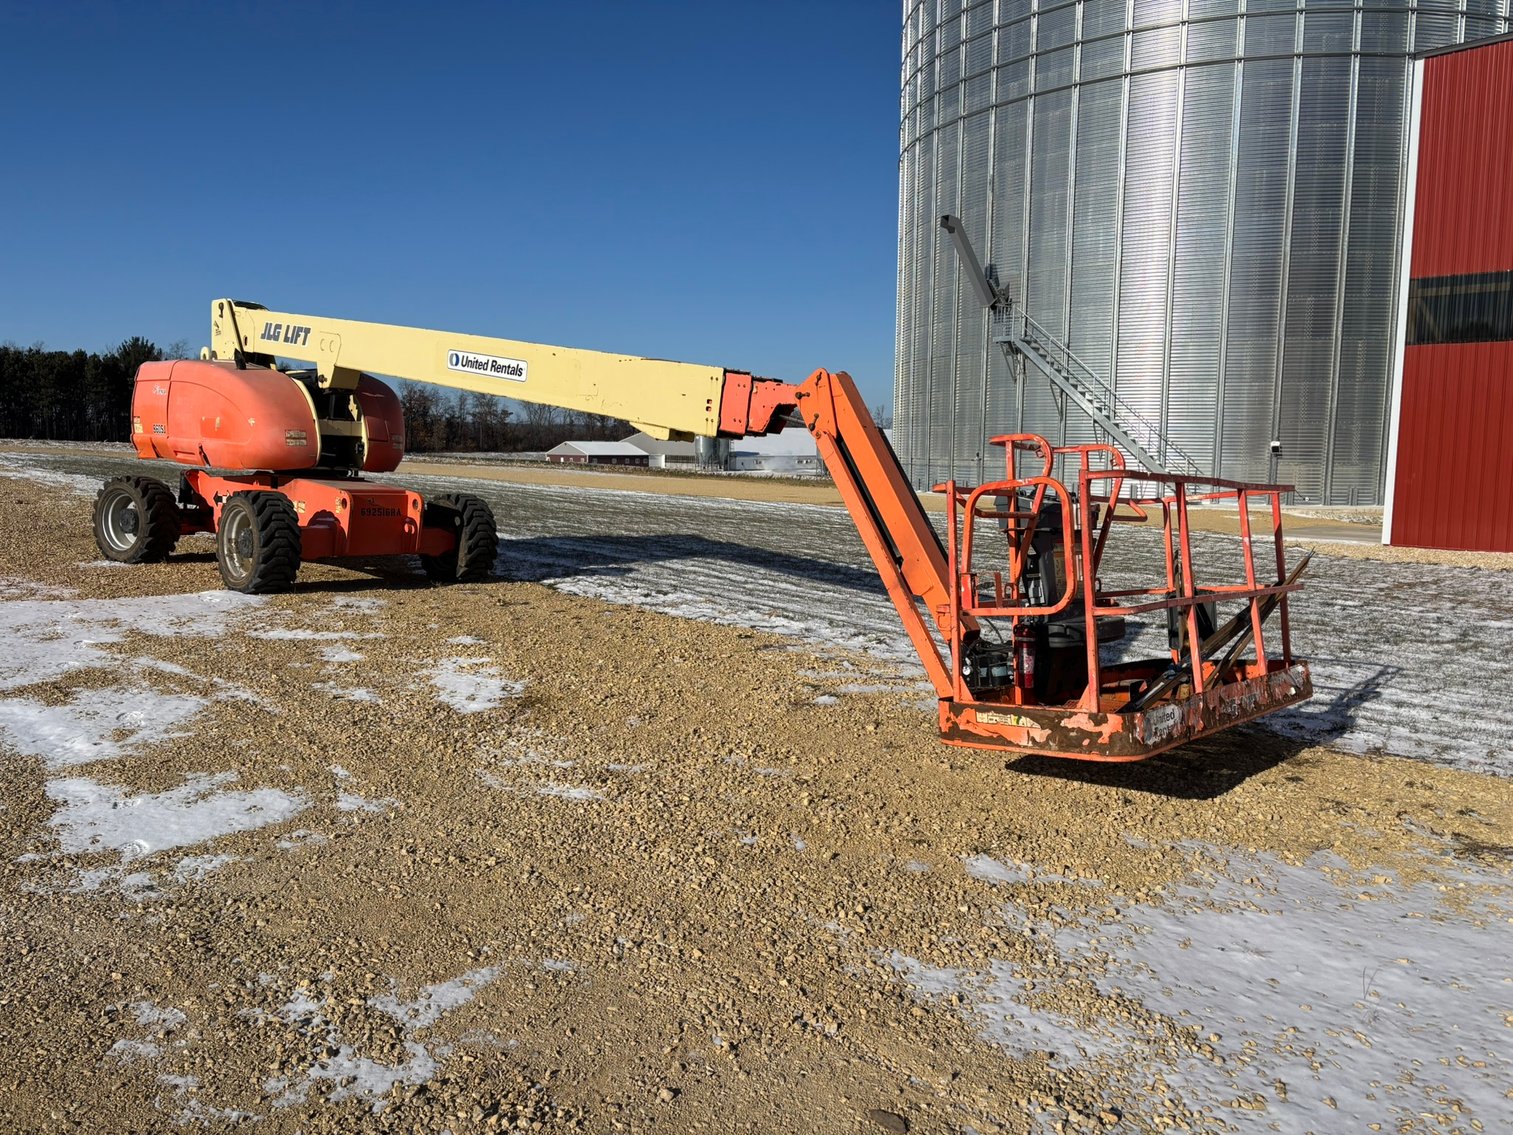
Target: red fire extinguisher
[1024,655]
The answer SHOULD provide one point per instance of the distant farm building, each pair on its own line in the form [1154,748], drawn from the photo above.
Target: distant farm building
[598,453]
[788,453]
[664,454]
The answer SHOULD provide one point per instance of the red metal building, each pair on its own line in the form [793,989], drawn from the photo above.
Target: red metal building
[1450,456]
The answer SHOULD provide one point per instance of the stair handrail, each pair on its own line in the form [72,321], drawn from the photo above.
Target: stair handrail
[1119,411]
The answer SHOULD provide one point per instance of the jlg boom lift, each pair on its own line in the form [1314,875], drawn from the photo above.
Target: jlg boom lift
[1013,651]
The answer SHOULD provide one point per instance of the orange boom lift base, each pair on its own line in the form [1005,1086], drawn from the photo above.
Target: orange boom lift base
[230,415]
[1014,651]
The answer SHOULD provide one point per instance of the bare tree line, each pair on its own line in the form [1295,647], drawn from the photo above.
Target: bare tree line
[466,422]
[86,396]
[71,395]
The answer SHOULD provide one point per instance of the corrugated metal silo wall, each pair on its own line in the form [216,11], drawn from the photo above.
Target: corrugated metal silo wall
[1200,196]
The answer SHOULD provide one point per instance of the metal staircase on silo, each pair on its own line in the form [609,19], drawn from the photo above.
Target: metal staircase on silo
[1119,422]
[1071,379]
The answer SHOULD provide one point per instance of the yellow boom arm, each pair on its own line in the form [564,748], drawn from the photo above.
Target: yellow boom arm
[663,398]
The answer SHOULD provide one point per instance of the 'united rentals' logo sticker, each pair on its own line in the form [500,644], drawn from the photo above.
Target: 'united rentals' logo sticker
[494,366]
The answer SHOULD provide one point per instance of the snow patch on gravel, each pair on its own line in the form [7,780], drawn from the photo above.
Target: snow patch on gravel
[569,791]
[12,588]
[996,997]
[1388,990]
[471,685]
[991,870]
[193,868]
[133,1050]
[352,802]
[434,1000]
[47,638]
[355,1075]
[1369,1003]
[95,817]
[304,634]
[96,725]
[362,604]
[549,788]
[156,1016]
[19,466]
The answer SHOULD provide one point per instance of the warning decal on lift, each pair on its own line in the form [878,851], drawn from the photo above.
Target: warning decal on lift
[494,366]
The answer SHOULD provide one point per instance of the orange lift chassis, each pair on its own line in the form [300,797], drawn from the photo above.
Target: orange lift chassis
[1015,651]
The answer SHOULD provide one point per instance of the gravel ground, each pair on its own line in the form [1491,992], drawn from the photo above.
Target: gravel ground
[380,856]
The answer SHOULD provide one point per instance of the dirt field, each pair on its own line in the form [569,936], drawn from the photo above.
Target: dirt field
[378,856]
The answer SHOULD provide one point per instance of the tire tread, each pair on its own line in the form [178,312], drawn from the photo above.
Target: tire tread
[159,519]
[278,538]
[472,560]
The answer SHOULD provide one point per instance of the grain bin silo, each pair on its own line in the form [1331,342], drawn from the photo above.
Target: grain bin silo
[1201,198]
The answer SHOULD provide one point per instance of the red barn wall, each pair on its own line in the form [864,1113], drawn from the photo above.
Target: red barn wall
[1454,455]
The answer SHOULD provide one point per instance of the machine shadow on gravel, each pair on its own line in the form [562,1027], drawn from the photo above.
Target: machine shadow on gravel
[373,576]
[537,559]
[1212,766]
[205,557]
[1200,770]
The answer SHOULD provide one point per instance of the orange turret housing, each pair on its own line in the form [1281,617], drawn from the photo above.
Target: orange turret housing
[217,414]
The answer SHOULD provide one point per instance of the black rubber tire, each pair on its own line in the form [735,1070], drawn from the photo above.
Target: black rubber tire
[471,559]
[135,520]
[257,542]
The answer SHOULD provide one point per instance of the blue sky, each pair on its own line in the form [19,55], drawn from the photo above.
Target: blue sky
[710,182]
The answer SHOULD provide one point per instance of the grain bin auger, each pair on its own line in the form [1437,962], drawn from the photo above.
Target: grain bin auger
[1012,651]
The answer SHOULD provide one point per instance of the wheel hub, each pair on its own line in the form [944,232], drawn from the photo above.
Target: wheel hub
[122,522]
[238,542]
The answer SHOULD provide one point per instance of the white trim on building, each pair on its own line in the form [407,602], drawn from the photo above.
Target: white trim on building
[1405,270]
